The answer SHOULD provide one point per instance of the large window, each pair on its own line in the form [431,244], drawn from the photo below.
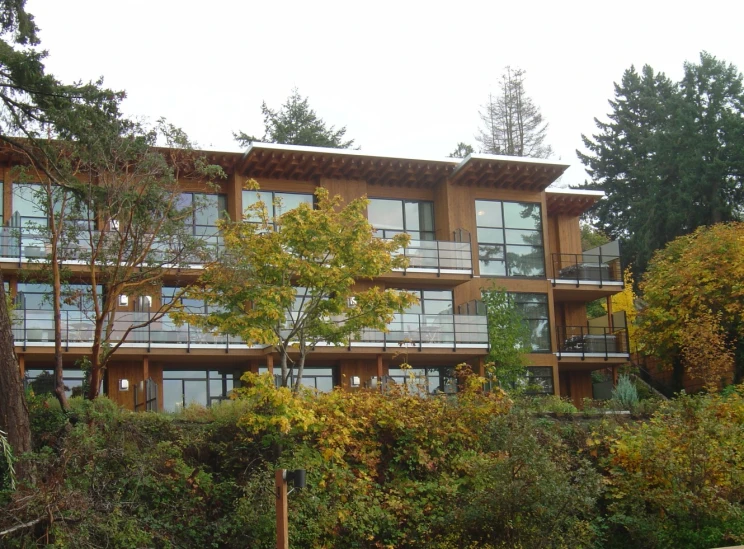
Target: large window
[532,307]
[27,208]
[425,380]
[276,203]
[205,387]
[510,239]
[540,380]
[534,310]
[42,382]
[207,209]
[391,217]
[75,297]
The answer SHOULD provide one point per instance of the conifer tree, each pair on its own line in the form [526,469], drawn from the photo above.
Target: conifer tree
[297,124]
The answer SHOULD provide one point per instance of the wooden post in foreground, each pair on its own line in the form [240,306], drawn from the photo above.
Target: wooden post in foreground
[282,521]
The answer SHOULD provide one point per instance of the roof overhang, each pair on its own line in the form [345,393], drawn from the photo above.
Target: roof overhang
[275,161]
[571,201]
[506,172]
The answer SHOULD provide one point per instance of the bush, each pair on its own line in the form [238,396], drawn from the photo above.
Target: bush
[625,393]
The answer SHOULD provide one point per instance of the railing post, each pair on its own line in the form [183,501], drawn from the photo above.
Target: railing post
[600,266]
[439,260]
[67,330]
[561,342]
[454,334]
[552,267]
[606,344]
[227,344]
[25,335]
[584,343]
[188,337]
[421,344]
[578,270]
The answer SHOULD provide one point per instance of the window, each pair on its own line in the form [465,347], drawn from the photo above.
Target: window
[207,209]
[205,387]
[277,203]
[425,380]
[509,238]
[42,382]
[75,297]
[391,217]
[540,380]
[321,379]
[27,205]
[534,310]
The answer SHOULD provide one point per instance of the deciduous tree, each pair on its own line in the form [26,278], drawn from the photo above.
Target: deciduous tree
[289,282]
[297,124]
[693,318]
[512,123]
[509,339]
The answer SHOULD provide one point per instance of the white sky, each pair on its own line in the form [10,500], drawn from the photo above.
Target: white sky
[406,78]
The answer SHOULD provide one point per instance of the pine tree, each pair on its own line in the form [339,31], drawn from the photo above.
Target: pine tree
[297,124]
[512,123]
[670,159]
[462,150]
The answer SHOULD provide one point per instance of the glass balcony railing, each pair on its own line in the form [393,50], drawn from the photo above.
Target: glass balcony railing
[596,266]
[592,341]
[438,256]
[36,328]
[22,245]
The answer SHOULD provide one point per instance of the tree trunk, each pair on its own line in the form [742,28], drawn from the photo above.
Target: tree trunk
[13,408]
[59,381]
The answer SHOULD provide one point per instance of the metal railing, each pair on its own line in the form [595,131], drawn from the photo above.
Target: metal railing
[592,341]
[34,327]
[22,245]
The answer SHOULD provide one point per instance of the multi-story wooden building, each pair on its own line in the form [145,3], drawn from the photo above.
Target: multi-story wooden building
[474,222]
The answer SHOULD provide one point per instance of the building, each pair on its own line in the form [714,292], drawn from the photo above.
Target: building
[472,221]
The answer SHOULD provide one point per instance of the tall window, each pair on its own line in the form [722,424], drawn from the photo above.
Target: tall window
[208,208]
[277,203]
[534,310]
[510,241]
[319,378]
[391,217]
[27,206]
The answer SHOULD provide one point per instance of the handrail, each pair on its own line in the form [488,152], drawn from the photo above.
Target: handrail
[592,340]
[582,267]
[435,255]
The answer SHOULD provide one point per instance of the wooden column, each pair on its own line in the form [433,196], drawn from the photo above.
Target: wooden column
[145,368]
[282,520]
[481,367]
[379,367]
[270,363]
[22,365]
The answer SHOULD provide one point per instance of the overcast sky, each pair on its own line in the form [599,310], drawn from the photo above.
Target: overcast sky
[405,78]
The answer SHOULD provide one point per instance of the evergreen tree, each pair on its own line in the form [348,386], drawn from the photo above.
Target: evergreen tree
[297,124]
[670,158]
[512,123]
[462,150]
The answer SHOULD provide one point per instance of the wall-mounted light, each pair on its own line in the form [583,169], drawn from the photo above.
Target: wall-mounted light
[123,300]
[356,381]
[123,385]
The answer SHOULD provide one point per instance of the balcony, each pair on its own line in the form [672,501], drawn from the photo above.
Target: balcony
[434,256]
[589,343]
[35,328]
[596,267]
[20,245]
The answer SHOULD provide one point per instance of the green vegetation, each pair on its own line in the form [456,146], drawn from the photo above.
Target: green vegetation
[384,470]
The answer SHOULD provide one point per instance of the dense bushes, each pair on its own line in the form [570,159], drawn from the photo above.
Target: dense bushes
[389,470]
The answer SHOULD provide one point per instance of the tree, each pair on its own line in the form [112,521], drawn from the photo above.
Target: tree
[509,339]
[670,159]
[14,419]
[297,124]
[693,319]
[462,150]
[289,282]
[512,123]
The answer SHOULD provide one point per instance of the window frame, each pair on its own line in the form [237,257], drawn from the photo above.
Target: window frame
[424,235]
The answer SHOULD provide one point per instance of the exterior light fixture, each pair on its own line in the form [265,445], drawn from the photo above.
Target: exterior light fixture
[123,385]
[123,300]
[356,381]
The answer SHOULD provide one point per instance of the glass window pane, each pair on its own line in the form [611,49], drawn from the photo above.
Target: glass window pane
[491,260]
[215,388]
[438,294]
[180,374]
[172,395]
[27,204]
[385,214]
[438,307]
[530,238]
[488,213]
[491,236]
[518,215]
[525,261]
[195,392]
[289,201]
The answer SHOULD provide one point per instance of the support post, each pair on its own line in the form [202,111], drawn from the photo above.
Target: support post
[270,364]
[282,521]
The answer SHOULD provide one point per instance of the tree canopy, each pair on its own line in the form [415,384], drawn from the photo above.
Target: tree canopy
[295,123]
[291,282]
[512,123]
[694,304]
[670,158]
